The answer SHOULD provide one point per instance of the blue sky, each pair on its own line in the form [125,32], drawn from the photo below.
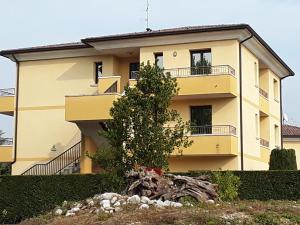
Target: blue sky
[35,22]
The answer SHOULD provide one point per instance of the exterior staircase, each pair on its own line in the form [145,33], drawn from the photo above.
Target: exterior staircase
[67,162]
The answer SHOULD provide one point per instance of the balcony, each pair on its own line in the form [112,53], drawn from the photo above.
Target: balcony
[217,140]
[6,150]
[263,102]
[205,82]
[93,107]
[7,101]
[264,143]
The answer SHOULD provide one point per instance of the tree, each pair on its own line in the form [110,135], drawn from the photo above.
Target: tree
[144,131]
[283,159]
[4,167]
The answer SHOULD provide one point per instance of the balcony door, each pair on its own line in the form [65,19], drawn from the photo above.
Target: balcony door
[133,70]
[201,62]
[201,119]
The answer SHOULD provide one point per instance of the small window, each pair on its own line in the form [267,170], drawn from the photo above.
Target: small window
[276,89]
[201,62]
[201,119]
[98,71]
[134,68]
[159,60]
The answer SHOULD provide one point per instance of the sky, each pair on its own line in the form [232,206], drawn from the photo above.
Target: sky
[35,22]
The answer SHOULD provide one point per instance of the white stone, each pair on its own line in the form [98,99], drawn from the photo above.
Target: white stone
[114,199]
[75,209]
[58,212]
[109,196]
[167,203]
[151,202]
[159,204]
[118,209]
[176,204]
[90,202]
[117,204]
[135,199]
[145,200]
[144,206]
[210,201]
[105,204]
[69,213]
[111,211]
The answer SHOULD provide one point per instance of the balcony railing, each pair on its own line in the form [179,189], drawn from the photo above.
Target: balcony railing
[213,130]
[264,142]
[7,92]
[6,141]
[263,93]
[191,71]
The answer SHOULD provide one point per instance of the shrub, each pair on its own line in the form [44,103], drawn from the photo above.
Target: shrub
[28,196]
[283,159]
[228,185]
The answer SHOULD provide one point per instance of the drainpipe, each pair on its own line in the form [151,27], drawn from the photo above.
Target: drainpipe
[241,100]
[16,109]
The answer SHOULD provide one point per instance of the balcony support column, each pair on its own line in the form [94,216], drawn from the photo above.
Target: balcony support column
[88,146]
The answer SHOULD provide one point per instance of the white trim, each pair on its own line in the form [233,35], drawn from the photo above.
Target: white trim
[106,77]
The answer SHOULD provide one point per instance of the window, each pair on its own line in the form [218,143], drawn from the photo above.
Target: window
[98,71]
[133,69]
[201,119]
[276,89]
[201,62]
[159,60]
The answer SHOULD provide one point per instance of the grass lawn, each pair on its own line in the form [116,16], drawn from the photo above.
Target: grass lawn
[239,212]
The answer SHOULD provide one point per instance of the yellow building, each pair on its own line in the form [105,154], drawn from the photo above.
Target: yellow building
[291,139]
[230,88]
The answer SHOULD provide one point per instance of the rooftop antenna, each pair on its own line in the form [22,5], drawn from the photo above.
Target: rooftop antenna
[147,18]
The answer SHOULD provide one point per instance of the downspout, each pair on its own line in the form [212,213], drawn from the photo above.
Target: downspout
[281,138]
[16,110]
[241,100]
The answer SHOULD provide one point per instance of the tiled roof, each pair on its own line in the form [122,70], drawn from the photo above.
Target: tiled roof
[290,131]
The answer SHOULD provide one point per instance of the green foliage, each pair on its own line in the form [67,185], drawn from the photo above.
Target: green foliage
[138,132]
[5,169]
[28,196]
[264,185]
[267,219]
[283,159]
[228,185]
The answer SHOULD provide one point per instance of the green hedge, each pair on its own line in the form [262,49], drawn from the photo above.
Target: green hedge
[28,196]
[265,185]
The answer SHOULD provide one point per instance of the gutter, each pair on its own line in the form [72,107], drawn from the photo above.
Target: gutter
[241,100]
[16,109]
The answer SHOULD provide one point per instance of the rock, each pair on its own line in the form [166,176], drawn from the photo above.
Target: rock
[58,212]
[64,204]
[105,204]
[176,204]
[114,199]
[135,199]
[159,204]
[145,200]
[75,209]
[117,204]
[144,206]
[69,213]
[109,196]
[90,202]
[118,209]
[167,203]
[210,201]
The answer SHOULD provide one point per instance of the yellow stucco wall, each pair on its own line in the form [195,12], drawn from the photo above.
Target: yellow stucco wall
[294,144]
[45,83]
[6,153]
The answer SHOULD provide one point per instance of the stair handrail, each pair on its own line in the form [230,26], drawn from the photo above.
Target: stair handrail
[55,158]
